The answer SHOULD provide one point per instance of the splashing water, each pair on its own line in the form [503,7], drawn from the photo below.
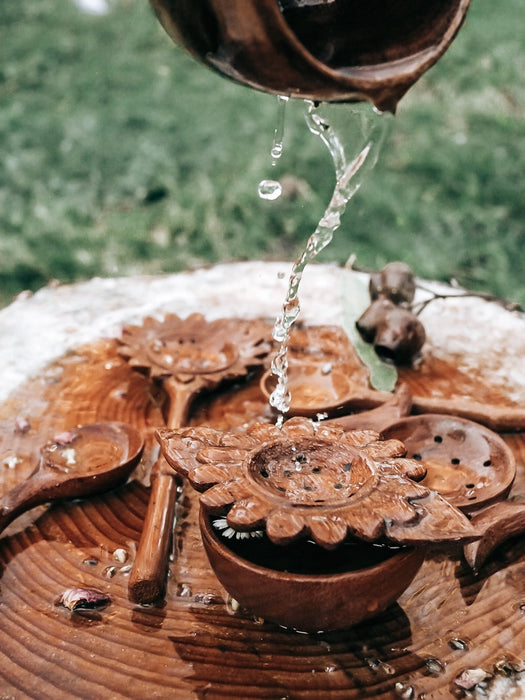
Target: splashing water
[371,132]
[272,189]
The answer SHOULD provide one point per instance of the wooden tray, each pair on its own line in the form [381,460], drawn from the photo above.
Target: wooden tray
[197,645]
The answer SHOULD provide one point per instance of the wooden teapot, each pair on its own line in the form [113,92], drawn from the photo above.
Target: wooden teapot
[322,50]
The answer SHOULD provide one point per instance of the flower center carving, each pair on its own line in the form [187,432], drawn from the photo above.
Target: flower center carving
[311,473]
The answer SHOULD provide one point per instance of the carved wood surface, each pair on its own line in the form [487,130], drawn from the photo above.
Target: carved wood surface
[198,645]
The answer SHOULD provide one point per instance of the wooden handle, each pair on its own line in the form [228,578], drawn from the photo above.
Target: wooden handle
[147,583]
[501,419]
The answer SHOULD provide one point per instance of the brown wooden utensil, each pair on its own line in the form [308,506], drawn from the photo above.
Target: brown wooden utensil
[82,462]
[315,389]
[498,523]
[468,464]
[325,51]
[188,356]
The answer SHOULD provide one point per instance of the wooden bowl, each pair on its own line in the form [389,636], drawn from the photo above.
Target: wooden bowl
[466,463]
[325,600]
[336,51]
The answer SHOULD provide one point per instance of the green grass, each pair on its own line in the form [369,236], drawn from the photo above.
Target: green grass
[121,155]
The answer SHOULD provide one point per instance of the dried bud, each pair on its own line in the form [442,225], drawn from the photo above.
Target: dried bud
[395,281]
[83,599]
[369,321]
[399,336]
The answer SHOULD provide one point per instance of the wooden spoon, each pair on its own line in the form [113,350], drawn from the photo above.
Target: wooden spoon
[498,523]
[188,356]
[315,389]
[82,462]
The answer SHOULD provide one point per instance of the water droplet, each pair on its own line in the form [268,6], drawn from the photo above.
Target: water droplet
[458,644]
[90,561]
[404,691]
[373,664]
[434,666]
[278,134]
[269,189]
[232,606]
[184,590]
[10,461]
[277,151]
[120,555]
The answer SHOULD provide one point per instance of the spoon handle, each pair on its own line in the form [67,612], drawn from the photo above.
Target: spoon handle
[21,498]
[147,581]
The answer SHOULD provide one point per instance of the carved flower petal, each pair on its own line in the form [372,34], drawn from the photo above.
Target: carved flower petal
[180,456]
[362,522]
[298,428]
[361,438]
[328,532]
[400,511]
[405,467]
[242,441]
[203,477]
[385,449]
[402,487]
[221,496]
[248,514]
[439,521]
[221,454]
[329,432]
[264,432]
[284,526]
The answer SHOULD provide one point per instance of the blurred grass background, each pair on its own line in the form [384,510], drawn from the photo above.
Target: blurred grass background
[121,155]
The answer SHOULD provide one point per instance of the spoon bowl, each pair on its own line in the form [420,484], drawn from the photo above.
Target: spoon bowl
[84,461]
[466,463]
[317,388]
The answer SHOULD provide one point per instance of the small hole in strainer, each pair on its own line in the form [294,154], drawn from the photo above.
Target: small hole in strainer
[487,463]
[469,486]
[438,438]
[455,460]
[417,457]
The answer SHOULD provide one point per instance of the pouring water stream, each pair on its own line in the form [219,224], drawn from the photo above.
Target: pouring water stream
[347,169]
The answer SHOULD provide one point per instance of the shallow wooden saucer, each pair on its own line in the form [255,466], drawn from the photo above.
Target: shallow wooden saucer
[318,388]
[468,464]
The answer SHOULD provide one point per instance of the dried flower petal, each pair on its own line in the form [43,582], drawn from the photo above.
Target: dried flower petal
[65,438]
[83,599]
[471,677]
[22,425]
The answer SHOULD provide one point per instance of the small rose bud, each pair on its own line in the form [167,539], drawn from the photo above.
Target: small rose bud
[399,336]
[395,281]
[375,314]
[83,599]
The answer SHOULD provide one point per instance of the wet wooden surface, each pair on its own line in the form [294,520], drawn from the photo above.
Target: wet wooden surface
[197,645]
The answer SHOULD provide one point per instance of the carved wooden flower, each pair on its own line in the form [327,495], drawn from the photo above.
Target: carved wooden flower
[313,480]
[193,347]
